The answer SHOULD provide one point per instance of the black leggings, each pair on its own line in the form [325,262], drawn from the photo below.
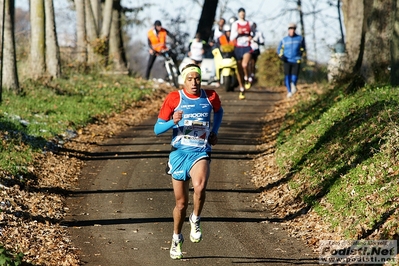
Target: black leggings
[150,63]
[291,69]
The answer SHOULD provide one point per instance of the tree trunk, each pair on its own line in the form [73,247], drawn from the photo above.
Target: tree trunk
[37,51]
[299,5]
[207,18]
[96,7]
[107,19]
[376,58]
[340,21]
[353,12]
[10,74]
[53,63]
[395,46]
[81,45]
[116,50]
[368,32]
[94,47]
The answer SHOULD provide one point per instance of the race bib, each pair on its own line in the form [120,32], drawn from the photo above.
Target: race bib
[195,133]
[242,41]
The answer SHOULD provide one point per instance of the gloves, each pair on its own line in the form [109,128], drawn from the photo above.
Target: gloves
[283,58]
[213,138]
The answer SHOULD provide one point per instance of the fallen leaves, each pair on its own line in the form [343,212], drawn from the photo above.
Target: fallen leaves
[30,216]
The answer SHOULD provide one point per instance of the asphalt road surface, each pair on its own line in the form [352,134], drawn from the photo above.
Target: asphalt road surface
[122,212]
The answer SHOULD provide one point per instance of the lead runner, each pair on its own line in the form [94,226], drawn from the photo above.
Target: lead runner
[188,112]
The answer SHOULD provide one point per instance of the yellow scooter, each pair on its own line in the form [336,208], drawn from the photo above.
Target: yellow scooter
[226,67]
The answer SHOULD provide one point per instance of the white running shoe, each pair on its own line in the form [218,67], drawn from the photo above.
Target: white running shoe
[293,88]
[289,95]
[175,249]
[196,233]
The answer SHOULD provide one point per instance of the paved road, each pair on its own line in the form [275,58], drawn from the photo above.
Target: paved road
[122,212]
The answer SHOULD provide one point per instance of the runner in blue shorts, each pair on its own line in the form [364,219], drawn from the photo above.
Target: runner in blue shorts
[188,112]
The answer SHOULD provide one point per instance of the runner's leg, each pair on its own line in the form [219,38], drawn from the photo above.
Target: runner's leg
[199,176]
[180,189]
[245,63]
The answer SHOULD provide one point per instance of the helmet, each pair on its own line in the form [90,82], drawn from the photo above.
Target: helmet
[226,27]
[232,19]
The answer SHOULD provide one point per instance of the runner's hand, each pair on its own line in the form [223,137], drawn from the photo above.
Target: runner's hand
[213,138]
[177,116]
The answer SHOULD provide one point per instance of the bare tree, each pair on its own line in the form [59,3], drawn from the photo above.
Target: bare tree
[116,49]
[94,46]
[340,21]
[9,65]
[96,8]
[107,19]
[207,18]
[81,31]
[98,30]
[369,29]
[37,48]
[395,45]
[299,6]
[53,62]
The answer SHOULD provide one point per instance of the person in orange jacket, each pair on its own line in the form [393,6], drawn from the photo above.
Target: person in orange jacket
[157,43]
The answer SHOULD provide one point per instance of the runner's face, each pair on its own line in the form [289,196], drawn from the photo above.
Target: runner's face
[242,15]
[192,83]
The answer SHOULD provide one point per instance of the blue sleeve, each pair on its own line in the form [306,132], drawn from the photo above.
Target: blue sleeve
[217,120]
[162,126]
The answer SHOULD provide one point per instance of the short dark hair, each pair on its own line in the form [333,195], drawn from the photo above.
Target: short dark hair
[241,9]
[157,23]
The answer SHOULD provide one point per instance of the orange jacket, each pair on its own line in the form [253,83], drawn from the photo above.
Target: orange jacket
[158,42]
[225,45]
[223,40]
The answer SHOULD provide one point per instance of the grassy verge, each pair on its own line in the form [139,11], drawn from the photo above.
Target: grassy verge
[339,154]
[56,109]
[32,124]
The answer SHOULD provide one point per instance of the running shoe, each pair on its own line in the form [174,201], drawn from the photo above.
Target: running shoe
[293,88]
[196,233]
[175,249]
[289,95]
[247,85]
[241,96]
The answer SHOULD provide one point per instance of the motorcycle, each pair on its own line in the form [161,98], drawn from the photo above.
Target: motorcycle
[226,67]
[171,68]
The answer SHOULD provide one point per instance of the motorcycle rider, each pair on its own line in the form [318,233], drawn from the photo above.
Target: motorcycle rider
[157,43]
[227,46]
[241,33]
[218,30]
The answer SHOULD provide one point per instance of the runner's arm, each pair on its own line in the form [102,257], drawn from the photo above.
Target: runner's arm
[162,126]
[217,120]
[233,33]
[164,122]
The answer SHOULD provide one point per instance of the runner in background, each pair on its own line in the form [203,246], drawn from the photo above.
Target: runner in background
[290,51]
[241,34]
[257,40]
